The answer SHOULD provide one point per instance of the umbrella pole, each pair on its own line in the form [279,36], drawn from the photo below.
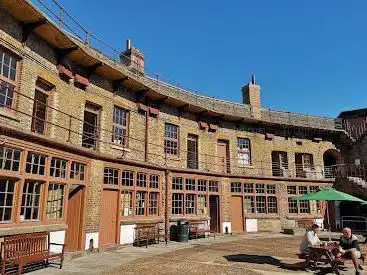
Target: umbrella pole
[328,219]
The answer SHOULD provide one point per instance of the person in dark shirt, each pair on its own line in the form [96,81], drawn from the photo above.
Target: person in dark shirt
[349,248]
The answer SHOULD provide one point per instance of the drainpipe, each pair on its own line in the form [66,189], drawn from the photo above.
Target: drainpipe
[146,134]
[166,205]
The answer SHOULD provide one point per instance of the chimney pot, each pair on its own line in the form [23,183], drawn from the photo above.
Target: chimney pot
[128,44]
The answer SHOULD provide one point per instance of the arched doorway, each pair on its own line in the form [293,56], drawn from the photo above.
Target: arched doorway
[331,158]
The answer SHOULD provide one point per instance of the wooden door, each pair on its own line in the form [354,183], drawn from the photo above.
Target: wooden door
[222,157]
[214,213]
[74,218]
[237,214]
[108,222]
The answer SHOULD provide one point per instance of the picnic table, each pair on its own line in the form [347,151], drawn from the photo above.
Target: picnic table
[327,251]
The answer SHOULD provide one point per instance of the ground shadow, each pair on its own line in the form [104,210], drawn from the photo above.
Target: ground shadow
[260,259]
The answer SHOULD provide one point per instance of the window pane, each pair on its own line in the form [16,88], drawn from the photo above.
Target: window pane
[6,199]
[55,201]
[30,201]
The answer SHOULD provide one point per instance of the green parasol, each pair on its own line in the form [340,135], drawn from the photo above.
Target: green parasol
[329,194]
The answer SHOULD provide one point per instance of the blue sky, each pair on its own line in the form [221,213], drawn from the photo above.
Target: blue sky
[308,56]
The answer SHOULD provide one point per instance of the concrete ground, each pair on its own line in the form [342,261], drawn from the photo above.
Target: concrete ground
[260,253]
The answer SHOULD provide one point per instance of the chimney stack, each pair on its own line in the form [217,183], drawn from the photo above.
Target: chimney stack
[251,96]
[133,58]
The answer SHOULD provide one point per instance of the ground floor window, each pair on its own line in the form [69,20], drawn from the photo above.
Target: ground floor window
[30,201]
[257,198]
[6,199]
[55,201]
[190,195]
[302,207]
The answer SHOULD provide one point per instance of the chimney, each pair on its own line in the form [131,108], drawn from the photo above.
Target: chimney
[251,96]
[133,58]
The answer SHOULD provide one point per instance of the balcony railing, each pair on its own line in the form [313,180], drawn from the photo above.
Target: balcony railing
[63,127]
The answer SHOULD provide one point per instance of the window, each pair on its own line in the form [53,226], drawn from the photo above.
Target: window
[192,152]
[292,206]
[58,168]
[9,158]
[236,187]
[202,185]
[279,163]
[171,139]
[126,203]
[249,204]
[270,188]
[272,205]
[77,171]
[177,204]
[8,77]
[261,201]
[30,201]
[213,186]
[260,204]
[260,188]
[35,164]
[302,207]
[120,120]
[154,181]
[141,180]
[190,204]
[90,126]
[248,188]
[243,151]
[55,201]
[111,176]
[177,184]
[39,116]
[304,165]
[127,178]
[153,204]
[190,184]
[202,208]
[140,203]
[6,199]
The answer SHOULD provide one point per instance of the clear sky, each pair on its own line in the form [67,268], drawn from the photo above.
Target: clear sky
[308,56]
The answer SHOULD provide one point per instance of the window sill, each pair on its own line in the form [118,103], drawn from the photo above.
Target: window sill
[120,147]
[173,157]
[11,114]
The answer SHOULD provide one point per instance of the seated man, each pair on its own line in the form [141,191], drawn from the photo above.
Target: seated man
[349,248]
[310,239]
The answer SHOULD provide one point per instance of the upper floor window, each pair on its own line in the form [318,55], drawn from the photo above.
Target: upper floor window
[41,96]
[120,126]
[304,165]
[192,151]
[171,139]
[91,125]
[244,151]
[8,77]
[279,163]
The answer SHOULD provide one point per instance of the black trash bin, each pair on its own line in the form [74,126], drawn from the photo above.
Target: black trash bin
[182,230]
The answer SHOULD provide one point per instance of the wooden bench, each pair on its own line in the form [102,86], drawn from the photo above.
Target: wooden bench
[149,232]
[25,249]
[199,228]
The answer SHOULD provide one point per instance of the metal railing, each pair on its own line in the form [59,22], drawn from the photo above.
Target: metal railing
[56,13]
[356,223]
[64,127]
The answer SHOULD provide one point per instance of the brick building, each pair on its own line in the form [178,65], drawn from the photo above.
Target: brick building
[91,145]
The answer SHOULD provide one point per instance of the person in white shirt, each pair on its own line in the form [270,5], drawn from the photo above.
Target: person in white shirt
[310,239]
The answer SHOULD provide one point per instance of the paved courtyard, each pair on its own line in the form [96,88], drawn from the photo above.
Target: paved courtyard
[241,254]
